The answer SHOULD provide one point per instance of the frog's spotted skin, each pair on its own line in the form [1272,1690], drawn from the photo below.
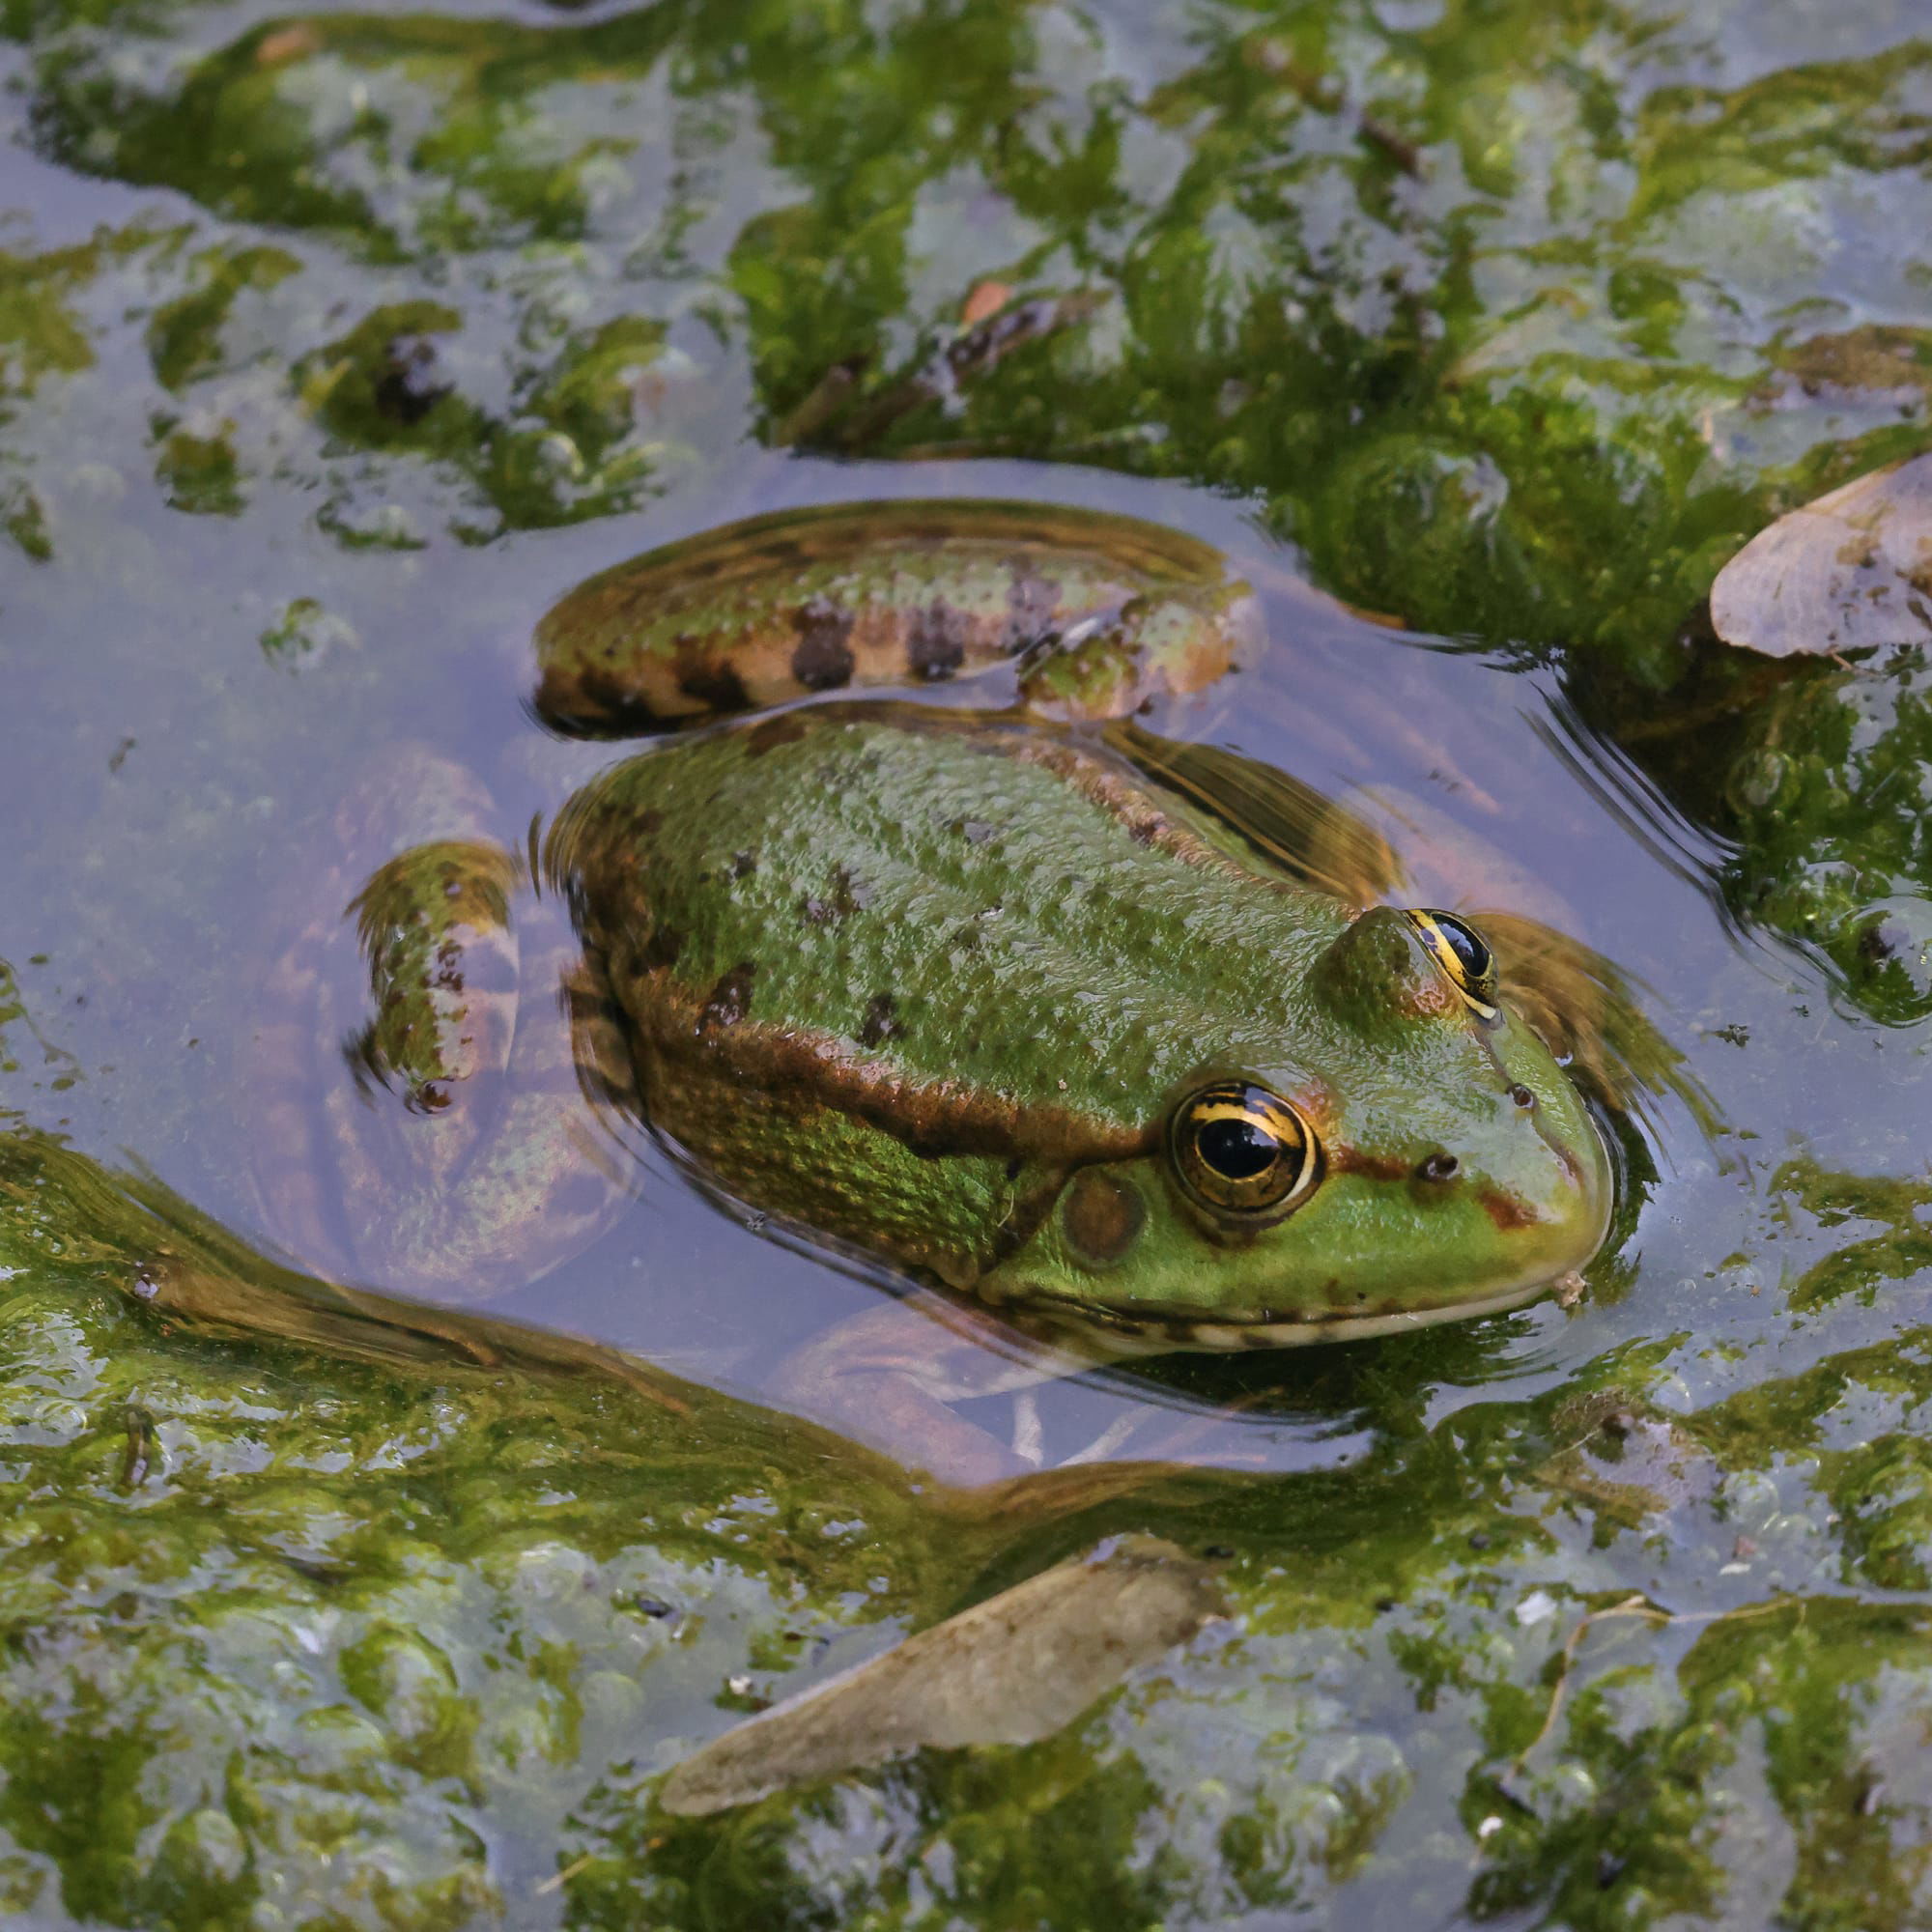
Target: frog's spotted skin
[944,987]
[1103,611]
[932,984]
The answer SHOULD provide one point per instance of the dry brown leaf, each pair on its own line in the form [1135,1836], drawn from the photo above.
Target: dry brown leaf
[984,299]
[1853,569]
[287,44]
[1009,1670]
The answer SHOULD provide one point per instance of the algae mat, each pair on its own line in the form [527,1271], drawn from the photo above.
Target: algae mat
[336,347]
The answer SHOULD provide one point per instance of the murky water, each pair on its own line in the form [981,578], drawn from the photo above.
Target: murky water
[335,349]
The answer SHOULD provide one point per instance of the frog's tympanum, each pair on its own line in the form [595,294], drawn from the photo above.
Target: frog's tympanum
[990,997]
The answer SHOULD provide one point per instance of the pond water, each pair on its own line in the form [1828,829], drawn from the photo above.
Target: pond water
[335,348]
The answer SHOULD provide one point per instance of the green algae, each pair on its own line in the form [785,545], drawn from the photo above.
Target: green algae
[1513,321]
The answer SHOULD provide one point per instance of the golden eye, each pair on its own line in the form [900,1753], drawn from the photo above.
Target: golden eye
[1243,1150]
[1463,956]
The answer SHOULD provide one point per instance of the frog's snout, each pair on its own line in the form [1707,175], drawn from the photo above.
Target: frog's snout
[1524,1168]
[1541,1185]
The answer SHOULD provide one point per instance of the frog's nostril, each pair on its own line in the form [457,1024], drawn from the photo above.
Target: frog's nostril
[1522,1095]
[1437,1167]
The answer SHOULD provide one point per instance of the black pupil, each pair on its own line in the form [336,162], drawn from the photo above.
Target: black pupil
[1467,946]
[1238,1149]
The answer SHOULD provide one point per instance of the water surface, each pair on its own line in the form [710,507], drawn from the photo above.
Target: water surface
[334,348]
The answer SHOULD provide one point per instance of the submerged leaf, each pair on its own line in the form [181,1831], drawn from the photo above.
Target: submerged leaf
[1010,1670]
[1852,569]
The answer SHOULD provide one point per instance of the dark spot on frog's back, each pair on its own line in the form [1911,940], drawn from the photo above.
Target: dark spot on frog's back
[660,951]
[853,892]
[936,644]
[822,657]
[881,1022]
[709,680]
[845,895]
[730,1000]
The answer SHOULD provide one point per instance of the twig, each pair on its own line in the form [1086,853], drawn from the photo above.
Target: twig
[1631,1606]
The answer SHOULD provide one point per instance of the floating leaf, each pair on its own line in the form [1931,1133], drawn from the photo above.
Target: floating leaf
[1009,1670]
[1852,569]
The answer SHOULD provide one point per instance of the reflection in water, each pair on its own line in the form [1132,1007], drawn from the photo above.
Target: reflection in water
[422,1123]
[1814,777]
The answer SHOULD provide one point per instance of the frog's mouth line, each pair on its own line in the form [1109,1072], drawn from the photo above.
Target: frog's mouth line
[1149,1332]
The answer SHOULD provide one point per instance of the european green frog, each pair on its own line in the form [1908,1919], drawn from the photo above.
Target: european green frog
[998,998]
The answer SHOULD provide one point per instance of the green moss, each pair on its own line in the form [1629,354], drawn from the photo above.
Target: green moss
[199,473]
[40,335]
[187,336]
[24,519]
[1505,320]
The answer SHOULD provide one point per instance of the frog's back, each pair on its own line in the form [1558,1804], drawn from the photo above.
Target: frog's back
[991,910]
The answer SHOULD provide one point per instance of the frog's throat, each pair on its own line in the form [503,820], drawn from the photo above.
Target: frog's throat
[1149,1334]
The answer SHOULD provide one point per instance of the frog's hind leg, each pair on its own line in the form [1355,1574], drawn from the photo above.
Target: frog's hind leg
[1097,614]
[425,1125]
[524,1168]
[443,966]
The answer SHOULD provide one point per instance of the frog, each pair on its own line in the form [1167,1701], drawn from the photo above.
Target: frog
[1002,1001]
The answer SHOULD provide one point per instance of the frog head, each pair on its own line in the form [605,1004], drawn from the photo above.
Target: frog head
[1413,1153]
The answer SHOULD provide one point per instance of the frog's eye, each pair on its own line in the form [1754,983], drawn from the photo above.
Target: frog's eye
[1240,1150]
[1462,952]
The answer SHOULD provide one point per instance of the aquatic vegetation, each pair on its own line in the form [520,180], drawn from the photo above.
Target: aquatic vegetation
[337,347]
